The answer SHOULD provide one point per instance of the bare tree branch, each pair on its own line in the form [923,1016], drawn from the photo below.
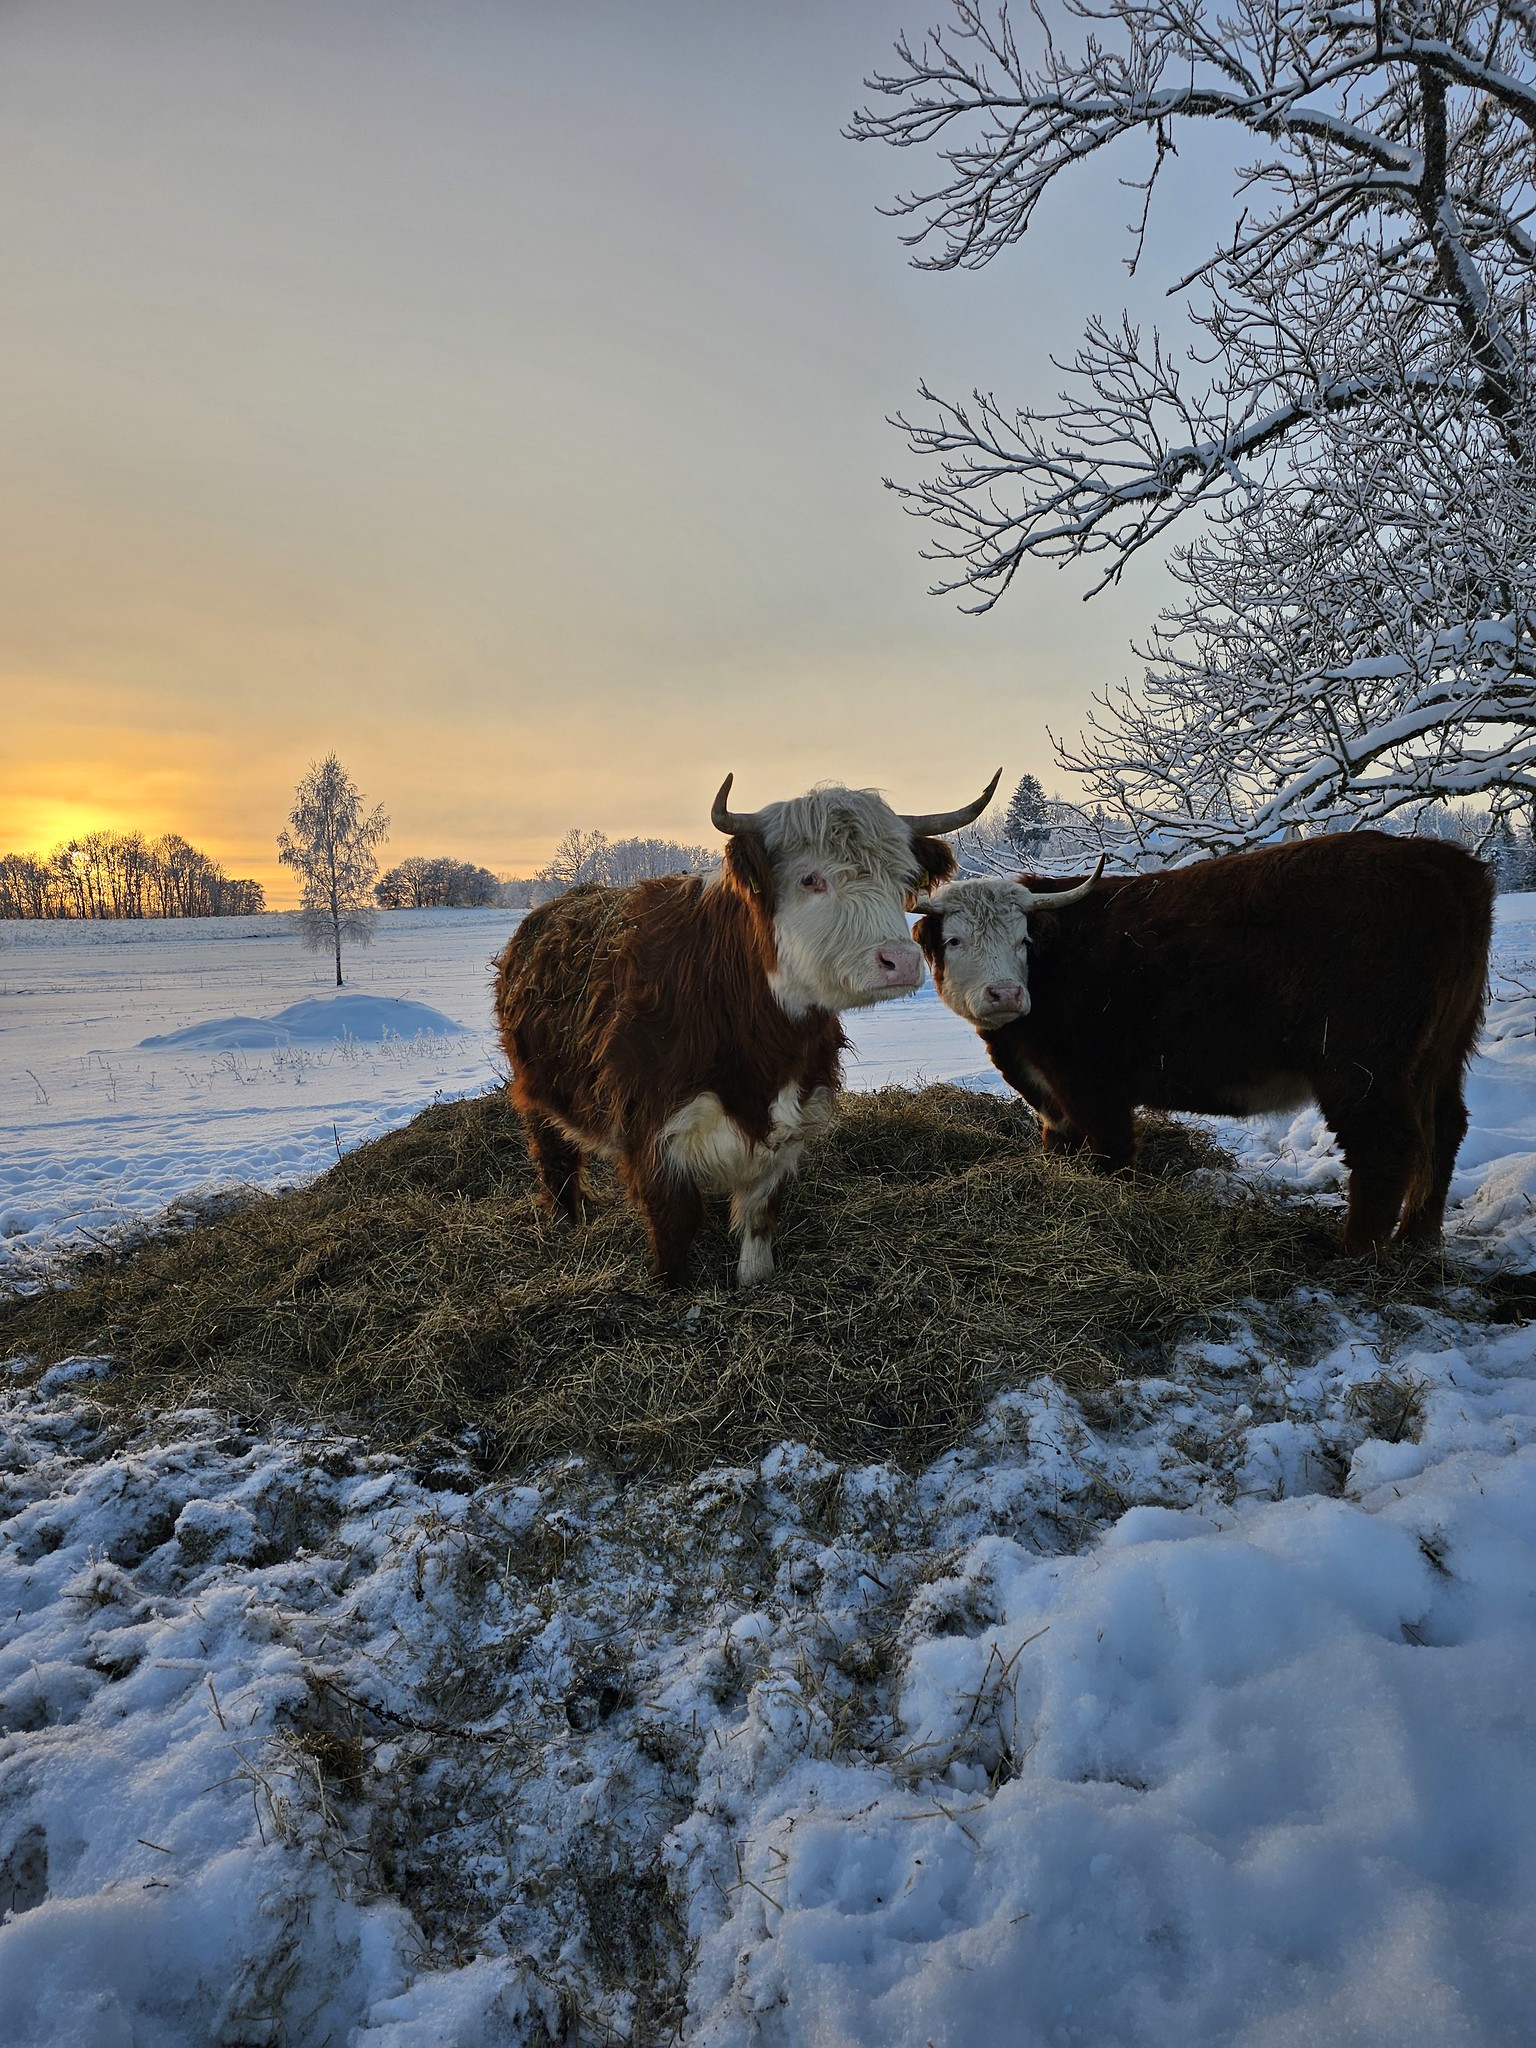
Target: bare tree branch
[1357,637]
[1402,129]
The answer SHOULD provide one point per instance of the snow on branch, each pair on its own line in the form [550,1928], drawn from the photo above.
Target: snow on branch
[1398,132]
[1102,473]
[1357,638]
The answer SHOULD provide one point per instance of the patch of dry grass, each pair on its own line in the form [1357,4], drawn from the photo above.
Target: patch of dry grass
[930,1255]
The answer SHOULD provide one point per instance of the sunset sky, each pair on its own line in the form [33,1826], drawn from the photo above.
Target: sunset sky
[496,394]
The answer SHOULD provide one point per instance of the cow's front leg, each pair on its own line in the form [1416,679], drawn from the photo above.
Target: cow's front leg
[1005,1050]
[557,1161]
[1106,1131]
[754,1217]
[673,1209]
[1061,1137]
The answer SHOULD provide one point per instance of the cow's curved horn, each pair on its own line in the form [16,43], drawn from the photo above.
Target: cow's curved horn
[951,821]
[733,821]
[1057,899]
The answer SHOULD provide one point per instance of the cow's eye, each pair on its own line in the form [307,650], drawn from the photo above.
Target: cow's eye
[951,944]
[817,884]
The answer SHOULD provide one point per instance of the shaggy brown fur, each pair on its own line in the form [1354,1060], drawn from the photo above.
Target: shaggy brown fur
[1355,964]
[619,1006]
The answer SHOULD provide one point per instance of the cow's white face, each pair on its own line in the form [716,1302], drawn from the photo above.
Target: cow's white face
[844,870]
[979,936]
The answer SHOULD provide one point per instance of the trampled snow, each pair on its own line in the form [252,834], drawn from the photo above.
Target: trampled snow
[1202,1713]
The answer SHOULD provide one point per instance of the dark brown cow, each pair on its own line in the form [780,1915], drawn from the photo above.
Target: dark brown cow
[688,1028]
[1349,970]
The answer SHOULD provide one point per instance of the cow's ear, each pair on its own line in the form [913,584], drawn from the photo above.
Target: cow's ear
[748,869]
[935,861]
[929,934]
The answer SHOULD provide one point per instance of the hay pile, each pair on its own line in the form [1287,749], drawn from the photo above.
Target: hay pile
[932,1254]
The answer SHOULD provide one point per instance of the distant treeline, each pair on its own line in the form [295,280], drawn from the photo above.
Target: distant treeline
[437,884]
[123,874]
[582,856]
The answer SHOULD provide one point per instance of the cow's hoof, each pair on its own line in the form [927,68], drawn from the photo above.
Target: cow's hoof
[1358,1246]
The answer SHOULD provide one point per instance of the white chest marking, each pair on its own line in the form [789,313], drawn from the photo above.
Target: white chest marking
[712,1148]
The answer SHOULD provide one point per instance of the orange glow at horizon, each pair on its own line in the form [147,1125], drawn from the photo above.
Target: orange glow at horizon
[333,423]
[37,820]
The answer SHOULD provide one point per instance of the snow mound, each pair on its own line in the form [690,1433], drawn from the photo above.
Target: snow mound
[368,1019]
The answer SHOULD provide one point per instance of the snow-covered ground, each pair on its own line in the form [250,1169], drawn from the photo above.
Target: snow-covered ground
[1202,1713]
[130,1073]
[99,1126]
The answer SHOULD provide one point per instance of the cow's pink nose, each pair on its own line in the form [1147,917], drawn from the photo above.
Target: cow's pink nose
[898,966]
[1007,995]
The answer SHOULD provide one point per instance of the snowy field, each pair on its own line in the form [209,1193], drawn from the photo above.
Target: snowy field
[130,1074]
[1204,1713]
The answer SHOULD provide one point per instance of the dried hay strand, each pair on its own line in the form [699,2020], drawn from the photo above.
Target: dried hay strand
[931,1255]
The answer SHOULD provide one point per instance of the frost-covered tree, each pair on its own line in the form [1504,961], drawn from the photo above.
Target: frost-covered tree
[643,860]
[1355,637]
[1361,360]
[1027,820]
[516,892]
[329,840]
[424,883]
[580,857]
[1061,838]
[584,856]
[1511,855]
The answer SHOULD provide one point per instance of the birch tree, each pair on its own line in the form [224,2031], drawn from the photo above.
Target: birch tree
[1360,363]
[329,840]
